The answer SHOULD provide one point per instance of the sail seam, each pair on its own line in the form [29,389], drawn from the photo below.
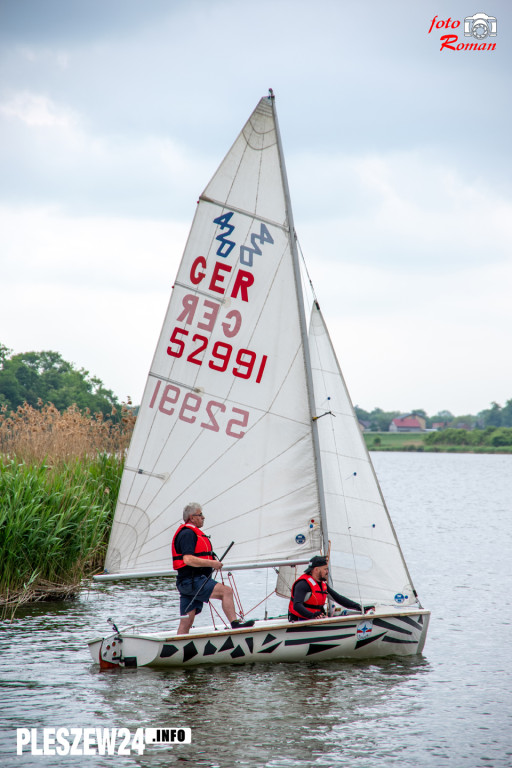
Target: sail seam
[227,397]
[208,294]
[234,485]
[174,381]
[263,413]
[243,212]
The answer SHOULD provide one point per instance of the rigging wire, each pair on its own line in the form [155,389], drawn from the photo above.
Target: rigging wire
[306,270]
[236,595]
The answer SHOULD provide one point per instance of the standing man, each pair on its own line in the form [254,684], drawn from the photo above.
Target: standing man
[195,561]
[309,593]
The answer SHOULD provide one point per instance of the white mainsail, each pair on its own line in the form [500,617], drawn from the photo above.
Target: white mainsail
[244,412]
[225,418]
[366,563]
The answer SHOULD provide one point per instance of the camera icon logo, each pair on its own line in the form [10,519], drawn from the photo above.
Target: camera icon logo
[480,26]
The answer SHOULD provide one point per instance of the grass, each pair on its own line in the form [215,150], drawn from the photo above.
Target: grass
[394,441]
[59,481]
[417,441]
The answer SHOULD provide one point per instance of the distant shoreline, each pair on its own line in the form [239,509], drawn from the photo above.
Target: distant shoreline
[415,442]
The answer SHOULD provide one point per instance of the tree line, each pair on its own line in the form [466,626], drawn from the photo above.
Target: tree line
[38,378]
[495,416]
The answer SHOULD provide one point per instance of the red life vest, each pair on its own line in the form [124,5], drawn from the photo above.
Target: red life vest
[316,601]
[203,546]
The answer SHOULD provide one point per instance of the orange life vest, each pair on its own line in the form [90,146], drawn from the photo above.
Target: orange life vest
[316,601]
[203,546]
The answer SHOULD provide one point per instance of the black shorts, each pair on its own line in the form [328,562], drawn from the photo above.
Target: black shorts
[194,592]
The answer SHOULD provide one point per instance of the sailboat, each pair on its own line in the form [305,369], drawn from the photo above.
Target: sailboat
[246,412]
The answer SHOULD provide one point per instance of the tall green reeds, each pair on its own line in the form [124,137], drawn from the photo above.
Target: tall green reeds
[59,481]
[54,523]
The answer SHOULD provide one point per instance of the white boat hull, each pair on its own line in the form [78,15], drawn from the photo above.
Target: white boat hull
[400,633]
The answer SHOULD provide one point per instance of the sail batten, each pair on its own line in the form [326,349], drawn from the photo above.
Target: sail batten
[253,216]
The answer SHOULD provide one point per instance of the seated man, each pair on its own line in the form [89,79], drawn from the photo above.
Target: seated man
[309,593]
[195,561]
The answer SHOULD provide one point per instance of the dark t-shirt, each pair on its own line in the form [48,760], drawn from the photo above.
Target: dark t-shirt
[186,545]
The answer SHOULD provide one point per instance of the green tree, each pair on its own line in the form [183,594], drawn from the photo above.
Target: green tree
[380,420]
[4,354]
[33,377]
[502,436]
[506,414]
[361,414]
[492,417]
[441,417]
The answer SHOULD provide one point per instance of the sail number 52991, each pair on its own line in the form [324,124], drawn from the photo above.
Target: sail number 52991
[191,407]
[246,361]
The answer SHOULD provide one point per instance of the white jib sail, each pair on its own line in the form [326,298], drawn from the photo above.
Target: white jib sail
[224,419]
[366,563]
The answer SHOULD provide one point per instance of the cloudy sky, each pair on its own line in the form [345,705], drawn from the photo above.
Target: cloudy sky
[114,114]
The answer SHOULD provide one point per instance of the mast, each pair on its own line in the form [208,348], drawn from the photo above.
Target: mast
[304,332]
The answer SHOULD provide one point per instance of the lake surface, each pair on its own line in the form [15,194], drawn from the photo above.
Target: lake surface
[452,706]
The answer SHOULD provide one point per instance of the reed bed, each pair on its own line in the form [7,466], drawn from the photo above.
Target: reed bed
[38,434]
[59,481]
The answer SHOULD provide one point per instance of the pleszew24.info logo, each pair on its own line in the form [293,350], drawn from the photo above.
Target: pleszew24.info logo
[480,27]
[96,741]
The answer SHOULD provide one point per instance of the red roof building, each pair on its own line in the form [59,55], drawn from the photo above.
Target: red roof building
[410,423]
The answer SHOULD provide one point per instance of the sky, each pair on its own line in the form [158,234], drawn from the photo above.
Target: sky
[114,115]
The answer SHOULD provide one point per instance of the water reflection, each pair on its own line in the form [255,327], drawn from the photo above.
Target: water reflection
[258,715]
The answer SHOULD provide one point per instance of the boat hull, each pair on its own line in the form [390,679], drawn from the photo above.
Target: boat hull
[349,637]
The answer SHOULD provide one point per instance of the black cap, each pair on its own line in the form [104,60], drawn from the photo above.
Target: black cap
[316,562]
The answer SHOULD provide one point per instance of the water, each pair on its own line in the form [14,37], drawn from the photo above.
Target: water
[449,707]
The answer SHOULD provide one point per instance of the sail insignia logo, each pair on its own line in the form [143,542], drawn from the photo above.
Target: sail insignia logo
[364,628]
[480,27]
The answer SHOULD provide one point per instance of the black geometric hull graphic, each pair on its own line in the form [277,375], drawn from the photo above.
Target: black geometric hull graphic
[168,650]
[368,640]
[306,640]
[298,626]
[270,648]
[393,626]
[189,651]
[385,633]
[228,645]
[209,649]
[237,652]
[411,622]
[318,648]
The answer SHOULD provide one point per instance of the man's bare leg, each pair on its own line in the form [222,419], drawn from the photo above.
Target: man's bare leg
[186,624]
[225,595]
